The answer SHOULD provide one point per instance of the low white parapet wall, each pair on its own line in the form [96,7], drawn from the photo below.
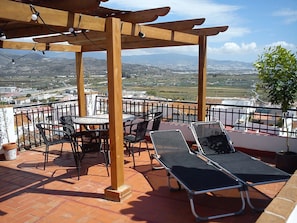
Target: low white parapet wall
[261,141]
[254,141]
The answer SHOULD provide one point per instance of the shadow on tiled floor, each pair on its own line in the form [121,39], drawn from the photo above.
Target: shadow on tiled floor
[30,194]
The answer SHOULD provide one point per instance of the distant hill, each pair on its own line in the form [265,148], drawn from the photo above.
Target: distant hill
[35,63]
[185,62]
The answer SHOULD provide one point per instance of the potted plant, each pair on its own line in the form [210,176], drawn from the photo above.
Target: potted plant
[277,69]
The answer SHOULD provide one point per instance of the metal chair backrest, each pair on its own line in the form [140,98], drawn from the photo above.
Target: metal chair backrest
[141,130]
[68,124]
[212,138]
[157,121]
[169,143]
[52,134]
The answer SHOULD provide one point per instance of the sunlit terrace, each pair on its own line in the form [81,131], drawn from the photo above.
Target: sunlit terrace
[31,194]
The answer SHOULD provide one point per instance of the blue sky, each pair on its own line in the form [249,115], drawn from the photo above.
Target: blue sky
[253,25]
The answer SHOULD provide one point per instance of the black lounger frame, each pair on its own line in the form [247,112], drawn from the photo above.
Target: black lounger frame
[191,172]
[220,151]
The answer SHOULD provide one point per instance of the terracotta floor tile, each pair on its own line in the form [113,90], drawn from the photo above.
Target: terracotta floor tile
[29,194]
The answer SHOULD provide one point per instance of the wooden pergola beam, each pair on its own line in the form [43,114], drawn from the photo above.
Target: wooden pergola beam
[130,29]
[80,37]
[29,30]
[6,44]
[101,46]
[50,17]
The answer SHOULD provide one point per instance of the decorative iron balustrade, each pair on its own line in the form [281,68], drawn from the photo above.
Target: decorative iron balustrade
[242,118]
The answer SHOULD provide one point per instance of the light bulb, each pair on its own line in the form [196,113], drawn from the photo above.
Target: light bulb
[71,30]
[34,17]
[141,35]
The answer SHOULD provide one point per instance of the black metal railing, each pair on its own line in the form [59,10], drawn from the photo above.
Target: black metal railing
[26,118]
[242,118]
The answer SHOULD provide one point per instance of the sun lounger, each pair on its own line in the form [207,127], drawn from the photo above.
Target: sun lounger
[215,145]
[191,172]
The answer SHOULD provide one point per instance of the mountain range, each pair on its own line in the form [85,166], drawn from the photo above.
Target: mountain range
[184,62]
[37,63]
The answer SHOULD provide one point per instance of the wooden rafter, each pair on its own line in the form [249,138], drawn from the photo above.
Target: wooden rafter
[179,25]
[144,16]
[208,31]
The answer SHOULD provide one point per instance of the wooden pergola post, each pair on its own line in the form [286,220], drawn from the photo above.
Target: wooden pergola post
[202,79]
[118,190]
[82,110]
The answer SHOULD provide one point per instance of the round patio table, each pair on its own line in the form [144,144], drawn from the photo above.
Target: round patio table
[101,119]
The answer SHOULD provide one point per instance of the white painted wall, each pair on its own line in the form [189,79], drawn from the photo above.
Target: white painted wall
[242,139]
[7,132]
[261,142]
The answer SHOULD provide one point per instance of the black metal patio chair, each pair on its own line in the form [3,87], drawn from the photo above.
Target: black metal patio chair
[156,121]
[52,134]
[89,142]
[86,141]
[137,136]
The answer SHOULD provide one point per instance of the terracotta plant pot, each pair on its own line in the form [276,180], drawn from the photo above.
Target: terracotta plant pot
[10,150]
[286,161]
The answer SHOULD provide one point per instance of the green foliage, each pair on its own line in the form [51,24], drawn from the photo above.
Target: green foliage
[277,69]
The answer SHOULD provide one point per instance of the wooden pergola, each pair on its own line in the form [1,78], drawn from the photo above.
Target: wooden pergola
[85,26]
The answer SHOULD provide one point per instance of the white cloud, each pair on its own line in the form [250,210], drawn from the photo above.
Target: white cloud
[229,34]
[231,47]
[234,51]
[215,13]
[243,52]
[289,15]
[284,44]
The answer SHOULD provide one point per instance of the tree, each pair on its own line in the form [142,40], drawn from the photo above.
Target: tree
[277,69]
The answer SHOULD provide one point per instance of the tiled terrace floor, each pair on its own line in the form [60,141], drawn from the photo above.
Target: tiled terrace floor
[29,194]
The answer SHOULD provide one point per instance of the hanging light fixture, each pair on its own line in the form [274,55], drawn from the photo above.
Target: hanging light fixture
[71,30]
[35,13]
[141,34]
[2,35]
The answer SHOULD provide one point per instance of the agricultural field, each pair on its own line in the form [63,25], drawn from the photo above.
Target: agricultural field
[185,87]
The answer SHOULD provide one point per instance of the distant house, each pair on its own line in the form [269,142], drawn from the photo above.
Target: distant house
[232,112]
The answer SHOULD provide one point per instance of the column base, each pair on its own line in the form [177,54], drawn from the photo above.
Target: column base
[118,195]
